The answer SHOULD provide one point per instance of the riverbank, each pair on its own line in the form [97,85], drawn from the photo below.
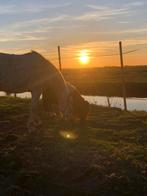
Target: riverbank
[107,81]
[106,156]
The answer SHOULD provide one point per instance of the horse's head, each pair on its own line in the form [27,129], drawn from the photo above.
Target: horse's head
[80,106]
[83,110]
[67,103]
[76,106]
[62,100]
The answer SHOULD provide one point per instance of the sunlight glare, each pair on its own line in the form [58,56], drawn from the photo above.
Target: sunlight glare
[84,56]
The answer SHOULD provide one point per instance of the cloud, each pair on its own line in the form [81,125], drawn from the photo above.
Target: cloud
[97,7]
[135,4]
[127,31]
[124,6]
[99,12]
[40,24]
[36,29]
[102,13]
[10,35]
[29,8]
[15,36]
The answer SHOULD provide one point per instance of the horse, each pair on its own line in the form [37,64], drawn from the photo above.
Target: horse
[80,107]
[31,72]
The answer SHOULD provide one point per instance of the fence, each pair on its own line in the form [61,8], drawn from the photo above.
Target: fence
[119,54]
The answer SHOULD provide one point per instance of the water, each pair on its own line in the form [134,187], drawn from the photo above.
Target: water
[132,103]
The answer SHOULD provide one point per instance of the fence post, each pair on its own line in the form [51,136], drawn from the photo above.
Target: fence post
[108,101]
[122,76]
[59,58]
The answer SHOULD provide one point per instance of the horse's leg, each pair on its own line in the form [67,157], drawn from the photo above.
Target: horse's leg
[49,100]
[34,119]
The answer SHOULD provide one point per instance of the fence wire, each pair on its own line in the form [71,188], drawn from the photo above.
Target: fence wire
[67,51]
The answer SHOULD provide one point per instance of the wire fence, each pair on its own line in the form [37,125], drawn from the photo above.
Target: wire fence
[121,53]
[72,53]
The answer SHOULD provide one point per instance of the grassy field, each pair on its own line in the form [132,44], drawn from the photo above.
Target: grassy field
[106,156]
[107,81]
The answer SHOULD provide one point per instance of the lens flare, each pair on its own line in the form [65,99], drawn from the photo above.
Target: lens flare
[70,135]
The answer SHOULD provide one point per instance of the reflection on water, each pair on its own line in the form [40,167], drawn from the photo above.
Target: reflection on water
[26,95]
[132,103]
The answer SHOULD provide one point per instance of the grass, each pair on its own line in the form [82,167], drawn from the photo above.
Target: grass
[106,156]
[107,81]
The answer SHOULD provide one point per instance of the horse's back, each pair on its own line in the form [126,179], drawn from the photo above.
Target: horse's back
[21,72]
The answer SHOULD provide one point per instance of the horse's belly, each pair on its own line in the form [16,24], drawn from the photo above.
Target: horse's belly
[9,87]
[13,84]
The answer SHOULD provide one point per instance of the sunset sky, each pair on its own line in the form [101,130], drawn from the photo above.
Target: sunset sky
[94,26]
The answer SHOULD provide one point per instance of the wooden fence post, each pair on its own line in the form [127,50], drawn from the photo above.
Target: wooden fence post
[59,58]
[122,76]
[108,101]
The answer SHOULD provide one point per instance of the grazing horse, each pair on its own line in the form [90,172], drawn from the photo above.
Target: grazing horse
[31,72]
[79,106]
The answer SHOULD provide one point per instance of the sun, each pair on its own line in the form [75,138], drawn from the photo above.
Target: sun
[84,57]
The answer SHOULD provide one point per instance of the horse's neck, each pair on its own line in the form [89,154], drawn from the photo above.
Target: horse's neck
[60,86]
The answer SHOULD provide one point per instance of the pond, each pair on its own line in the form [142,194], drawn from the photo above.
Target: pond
[132,103]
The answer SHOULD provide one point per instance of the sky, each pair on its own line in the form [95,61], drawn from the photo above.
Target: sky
[95,26]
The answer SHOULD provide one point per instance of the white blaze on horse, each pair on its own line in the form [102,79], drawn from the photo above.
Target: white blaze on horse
[31,72]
